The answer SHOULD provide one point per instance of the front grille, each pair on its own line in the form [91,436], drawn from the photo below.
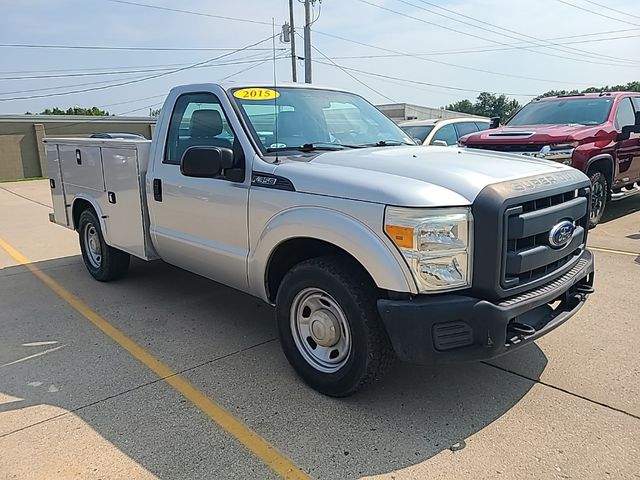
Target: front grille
[515,148]
[527,253]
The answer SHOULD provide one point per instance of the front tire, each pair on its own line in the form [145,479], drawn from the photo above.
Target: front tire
[329,326]
[599,196]
[104,263]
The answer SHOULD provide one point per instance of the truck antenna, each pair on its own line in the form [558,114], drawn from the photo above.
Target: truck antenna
[275,84]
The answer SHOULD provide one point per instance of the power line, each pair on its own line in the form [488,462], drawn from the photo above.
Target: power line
[164,94]
[251,67]
[353,76]
[551,44]
[126,102]
[417,82]
[119,72]
[597,13]
[126,48]
[58,87]
[464,67]
[482,50]
[143,79]
[134,101]
[190,12]
[608,7]
[478,36]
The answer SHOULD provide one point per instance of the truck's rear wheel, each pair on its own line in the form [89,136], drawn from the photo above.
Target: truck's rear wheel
[103,262]
[599,195]
[329,326]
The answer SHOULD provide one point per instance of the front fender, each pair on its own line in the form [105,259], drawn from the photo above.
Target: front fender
[383,262]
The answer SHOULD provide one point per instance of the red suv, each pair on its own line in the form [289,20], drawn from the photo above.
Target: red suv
[595,133]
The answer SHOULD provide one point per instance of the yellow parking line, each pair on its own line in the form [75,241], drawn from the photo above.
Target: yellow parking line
[611,250]
[235,427]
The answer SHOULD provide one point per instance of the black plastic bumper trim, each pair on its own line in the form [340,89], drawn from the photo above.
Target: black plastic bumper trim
[412,325]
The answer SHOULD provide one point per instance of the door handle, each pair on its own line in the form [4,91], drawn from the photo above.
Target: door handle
[157,189]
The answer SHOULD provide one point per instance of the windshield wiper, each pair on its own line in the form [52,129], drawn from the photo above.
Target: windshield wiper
[387,143]
[311,147]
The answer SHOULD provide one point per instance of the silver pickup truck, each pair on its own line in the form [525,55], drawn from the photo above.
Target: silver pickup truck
[369,246]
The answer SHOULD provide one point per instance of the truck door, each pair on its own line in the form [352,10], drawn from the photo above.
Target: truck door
[199,224]
[628,151]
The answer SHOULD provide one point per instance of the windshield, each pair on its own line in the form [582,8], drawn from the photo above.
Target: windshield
[418,131]
[583,111]
[286,118]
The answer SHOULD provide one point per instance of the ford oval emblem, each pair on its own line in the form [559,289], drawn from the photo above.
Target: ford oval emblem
[561,234]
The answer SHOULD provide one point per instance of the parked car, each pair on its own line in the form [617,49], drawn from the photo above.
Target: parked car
[595,133]
[369,246]
[443,132]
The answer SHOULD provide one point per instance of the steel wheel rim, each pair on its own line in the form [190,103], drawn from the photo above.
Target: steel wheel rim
[320,330]
[597,200]
[93,247]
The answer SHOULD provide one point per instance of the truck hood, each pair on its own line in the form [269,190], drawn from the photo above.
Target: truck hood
[410,176]
[527,134]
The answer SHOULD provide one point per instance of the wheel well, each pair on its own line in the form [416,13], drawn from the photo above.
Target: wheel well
[79,206]
[605,166]
[291,252]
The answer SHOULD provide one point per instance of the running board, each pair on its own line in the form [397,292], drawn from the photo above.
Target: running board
[626,192]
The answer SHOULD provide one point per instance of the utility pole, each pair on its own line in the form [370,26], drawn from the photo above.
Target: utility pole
[307,41]
[292,33]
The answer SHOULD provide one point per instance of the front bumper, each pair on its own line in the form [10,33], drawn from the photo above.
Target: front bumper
[454,328]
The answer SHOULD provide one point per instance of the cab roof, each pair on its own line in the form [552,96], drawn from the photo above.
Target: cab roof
[577,96]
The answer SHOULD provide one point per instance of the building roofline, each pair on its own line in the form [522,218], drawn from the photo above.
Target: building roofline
[73,118]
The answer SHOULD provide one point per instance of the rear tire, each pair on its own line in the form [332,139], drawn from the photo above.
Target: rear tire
[329,326]
[599,196]
[104,263]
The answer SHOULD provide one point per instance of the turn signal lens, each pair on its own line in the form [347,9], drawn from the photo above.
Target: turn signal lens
[401,236]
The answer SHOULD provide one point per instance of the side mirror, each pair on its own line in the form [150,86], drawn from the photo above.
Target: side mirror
[439,143]
[207,162]
[627,131]
[495,122]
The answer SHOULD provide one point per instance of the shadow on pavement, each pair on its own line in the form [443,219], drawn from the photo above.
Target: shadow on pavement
[621,208]
[186,321]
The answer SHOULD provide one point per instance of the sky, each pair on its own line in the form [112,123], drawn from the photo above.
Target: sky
[436,52]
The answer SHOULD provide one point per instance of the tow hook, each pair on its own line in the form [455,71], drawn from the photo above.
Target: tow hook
[585,289]
[517,331]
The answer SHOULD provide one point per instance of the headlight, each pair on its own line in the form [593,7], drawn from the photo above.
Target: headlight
[558,152]
[436,242]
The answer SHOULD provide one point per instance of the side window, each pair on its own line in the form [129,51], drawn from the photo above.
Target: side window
[198,120]
[446,133]
[482,126]
[625,114]
[464,128]
[636,103]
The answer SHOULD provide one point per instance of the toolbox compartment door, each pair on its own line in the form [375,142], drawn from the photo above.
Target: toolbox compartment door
[124,207]
[81,166]
[56,184]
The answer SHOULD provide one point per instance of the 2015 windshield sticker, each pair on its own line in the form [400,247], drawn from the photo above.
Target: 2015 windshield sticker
[256,94]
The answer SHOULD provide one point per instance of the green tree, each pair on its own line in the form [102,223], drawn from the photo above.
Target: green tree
[487,105]
[154,112]
[93,111]
[627,87]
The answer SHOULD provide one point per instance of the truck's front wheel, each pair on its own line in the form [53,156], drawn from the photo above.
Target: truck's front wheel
[329,326]
[103,262]
[599,195]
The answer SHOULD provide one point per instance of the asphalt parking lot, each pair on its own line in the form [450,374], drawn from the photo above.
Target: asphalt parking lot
[78,398]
